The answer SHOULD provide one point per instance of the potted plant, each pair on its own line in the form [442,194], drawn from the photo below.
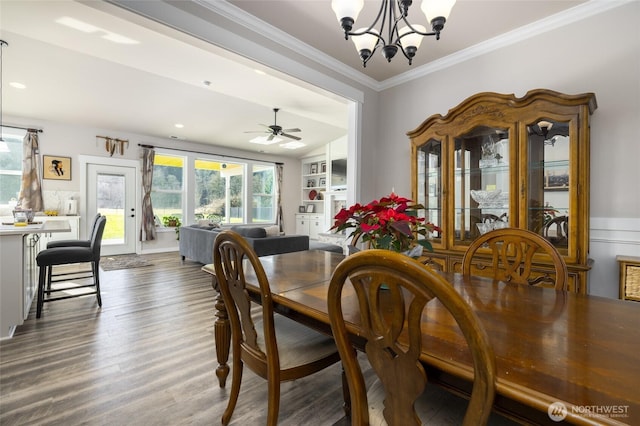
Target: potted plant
[172,222]
[392,223]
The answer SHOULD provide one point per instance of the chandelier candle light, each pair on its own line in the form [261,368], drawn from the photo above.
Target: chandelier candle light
[394,13]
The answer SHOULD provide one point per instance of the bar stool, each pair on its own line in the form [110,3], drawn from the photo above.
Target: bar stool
[66,255]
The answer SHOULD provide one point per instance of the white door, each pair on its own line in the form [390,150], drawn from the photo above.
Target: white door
[111,191]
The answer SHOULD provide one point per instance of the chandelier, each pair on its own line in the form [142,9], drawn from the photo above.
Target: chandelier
[392,13]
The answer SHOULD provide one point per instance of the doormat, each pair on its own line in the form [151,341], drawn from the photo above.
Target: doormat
[126,261]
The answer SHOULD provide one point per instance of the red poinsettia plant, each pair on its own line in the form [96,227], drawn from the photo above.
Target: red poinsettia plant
[391,223]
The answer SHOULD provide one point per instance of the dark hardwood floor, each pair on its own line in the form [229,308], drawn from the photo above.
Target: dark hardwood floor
[147,357]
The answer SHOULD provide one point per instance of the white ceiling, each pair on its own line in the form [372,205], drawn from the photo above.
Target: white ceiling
[146,88]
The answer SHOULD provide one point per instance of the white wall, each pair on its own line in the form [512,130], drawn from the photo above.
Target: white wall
[600,54]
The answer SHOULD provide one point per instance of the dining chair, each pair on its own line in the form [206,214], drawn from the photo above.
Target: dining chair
[557,231]
[508,255]
[78,242]
[56,256]
[392,292]
[274,347]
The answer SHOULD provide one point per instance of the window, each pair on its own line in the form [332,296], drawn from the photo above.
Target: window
[263,194]
[167,188]
[218,191]
[11,168]
[215,189]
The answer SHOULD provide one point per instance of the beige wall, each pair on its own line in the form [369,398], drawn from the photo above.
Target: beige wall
[600,54]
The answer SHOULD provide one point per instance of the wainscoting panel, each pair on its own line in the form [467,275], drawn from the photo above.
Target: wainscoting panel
[610,237]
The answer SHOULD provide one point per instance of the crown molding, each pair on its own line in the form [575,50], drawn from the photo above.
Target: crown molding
[559,20]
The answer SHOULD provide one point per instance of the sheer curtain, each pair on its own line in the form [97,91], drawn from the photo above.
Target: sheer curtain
[279,219]
[148,226]
[30,188]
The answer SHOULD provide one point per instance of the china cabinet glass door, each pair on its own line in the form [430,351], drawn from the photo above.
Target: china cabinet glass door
[481,182]
[549,181]
[429,181]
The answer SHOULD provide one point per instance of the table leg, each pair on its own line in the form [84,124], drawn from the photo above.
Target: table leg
[222,335]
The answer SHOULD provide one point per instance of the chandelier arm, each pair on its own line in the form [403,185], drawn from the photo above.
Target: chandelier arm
[375,21]
[431,33]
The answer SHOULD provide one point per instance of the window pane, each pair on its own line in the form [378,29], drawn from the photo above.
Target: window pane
[11,169]
[210,191]
[236,185]
[166,192]
[263,194]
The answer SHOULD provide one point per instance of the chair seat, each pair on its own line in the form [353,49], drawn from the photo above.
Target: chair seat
[64,255]
[299,344]
[68,243]
[436,406]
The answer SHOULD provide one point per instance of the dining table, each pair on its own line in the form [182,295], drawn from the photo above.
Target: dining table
[560,356]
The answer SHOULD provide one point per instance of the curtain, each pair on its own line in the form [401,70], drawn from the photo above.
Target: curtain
[30,188]
[148,226]
[279,219]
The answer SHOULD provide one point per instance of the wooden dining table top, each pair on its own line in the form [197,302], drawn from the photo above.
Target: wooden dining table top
[575,351]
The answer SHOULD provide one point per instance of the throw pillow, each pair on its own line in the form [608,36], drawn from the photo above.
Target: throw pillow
[272,231]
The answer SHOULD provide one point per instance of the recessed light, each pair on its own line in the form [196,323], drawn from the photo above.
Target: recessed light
[17,85]
[179,126]
[260,72]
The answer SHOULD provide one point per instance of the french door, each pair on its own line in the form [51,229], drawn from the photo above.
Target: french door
[111,191]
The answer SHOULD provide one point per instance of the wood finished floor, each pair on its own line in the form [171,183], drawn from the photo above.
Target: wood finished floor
[147,357]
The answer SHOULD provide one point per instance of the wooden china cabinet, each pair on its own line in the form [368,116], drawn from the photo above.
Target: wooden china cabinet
[498,161]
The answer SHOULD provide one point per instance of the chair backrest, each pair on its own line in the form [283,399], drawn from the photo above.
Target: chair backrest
[94,224]
[258,347]
[557,231]
[392,294]
[96,237]
[510,257]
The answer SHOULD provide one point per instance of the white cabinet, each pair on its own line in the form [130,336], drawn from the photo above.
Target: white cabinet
[310,224]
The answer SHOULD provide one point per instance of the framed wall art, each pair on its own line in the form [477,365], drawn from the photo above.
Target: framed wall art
[56,167]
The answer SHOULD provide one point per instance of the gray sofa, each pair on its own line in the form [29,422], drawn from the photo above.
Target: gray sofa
[196,242]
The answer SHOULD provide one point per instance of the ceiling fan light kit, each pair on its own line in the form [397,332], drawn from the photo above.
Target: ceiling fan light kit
[407,38]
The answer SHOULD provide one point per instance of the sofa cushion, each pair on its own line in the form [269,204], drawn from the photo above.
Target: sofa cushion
[272,231]
[250,232]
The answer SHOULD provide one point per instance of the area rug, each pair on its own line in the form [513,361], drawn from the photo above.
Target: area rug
[127,261]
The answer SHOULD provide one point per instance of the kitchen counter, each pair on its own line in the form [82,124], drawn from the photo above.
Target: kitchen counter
[19,246]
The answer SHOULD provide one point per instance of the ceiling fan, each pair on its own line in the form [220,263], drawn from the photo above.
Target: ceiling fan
[275,130]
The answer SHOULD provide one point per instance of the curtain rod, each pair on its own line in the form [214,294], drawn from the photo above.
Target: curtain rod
[208,153]
[28,129]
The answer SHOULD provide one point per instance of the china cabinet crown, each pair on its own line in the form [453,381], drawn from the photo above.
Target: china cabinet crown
[496,161]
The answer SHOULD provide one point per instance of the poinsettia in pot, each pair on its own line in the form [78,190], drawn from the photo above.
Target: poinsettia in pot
[391,223]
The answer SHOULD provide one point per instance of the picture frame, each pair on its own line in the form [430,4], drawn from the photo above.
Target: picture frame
[56,167]
[322,182]
[323,167]
[558,180]
[313,168]
[302,209]
[311,208]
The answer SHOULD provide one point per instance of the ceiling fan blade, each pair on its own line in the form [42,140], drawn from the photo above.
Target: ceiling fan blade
[271,136]
[291,130]
[257,131]
[290,136]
